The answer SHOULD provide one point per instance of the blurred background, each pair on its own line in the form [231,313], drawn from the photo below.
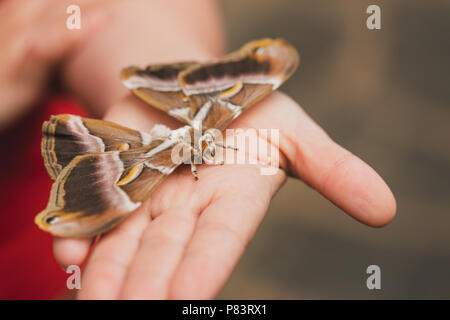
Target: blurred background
[384,95]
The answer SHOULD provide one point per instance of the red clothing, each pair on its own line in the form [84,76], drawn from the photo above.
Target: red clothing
[28,269]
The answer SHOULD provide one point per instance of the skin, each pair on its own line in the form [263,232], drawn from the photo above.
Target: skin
[38,43]
[186,239]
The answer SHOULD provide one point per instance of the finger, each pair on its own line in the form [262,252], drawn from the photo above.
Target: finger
[131,112]
[159,254]
[336,173]
[70,251]
[164,238]
[223,231]
[106,269]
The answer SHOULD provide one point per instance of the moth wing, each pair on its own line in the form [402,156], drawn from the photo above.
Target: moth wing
[215,93]
[158,86]
[66,136]
[94,192]
[220,91]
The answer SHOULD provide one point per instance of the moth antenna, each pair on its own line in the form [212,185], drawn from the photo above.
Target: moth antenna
[226,146]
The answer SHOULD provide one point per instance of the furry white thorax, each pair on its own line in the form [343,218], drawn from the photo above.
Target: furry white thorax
[172,137]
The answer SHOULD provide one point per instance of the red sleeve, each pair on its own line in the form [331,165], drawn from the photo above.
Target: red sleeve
[28,269]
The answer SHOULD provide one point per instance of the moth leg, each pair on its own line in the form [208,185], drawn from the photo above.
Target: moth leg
[213,154]
[195,155]
[220,163]
[194,170]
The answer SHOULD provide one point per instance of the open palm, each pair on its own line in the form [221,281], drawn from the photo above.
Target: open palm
[186,239]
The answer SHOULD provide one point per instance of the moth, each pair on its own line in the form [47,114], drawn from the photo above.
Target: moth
[103,171]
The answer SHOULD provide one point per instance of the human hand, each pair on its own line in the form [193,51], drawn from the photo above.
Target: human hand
[186,239]
[34,38]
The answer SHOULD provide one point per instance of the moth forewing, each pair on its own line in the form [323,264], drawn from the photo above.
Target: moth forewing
[66,136]
[96,191]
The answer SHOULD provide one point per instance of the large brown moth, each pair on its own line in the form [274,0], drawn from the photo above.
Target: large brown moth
[103,171]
